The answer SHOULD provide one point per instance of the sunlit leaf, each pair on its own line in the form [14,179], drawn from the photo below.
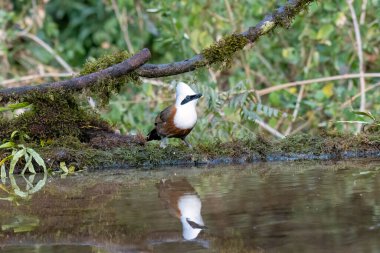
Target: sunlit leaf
[20,193]
[3,173]
[40,184]
[63,167]
[37,158]
[14,134]
[367,114]
[328,90]
[8,144]
[28,165]
[15,159]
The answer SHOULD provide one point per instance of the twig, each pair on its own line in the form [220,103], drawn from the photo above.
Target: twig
[270,129]
[230,14]
[349,101]
[363,13]
[317,80]
[81,82]
[360,55]
[123,26]
[48,48]
[296,109]
[33,77]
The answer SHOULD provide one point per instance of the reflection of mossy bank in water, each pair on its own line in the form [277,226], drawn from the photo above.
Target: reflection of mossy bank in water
[61,130]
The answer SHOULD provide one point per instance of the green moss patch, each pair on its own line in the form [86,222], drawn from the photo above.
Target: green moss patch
[297,147]
[103,89]
[222,52]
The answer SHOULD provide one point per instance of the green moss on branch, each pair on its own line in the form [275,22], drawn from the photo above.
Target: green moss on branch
[103,89]
[222,52]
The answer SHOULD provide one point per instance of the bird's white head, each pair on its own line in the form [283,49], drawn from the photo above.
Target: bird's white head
[185,96]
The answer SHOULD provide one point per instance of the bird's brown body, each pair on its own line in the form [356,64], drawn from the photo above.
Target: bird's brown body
[165,127]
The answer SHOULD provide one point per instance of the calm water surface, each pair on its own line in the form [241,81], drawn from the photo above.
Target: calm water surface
[275,207]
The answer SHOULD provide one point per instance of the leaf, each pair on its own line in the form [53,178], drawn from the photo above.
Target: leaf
[63,167]
[37,158]
[39,185]
[2,162]
[20,193]
[18,105]
[14,134]
[325,31]
[328,90]
[2,187]
[367,114]
[28,165]
[8,144]
[3,173]
[15,159]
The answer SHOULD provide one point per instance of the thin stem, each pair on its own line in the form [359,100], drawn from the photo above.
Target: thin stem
[349,101]
[123,23]
[48,48]
[316,80]
[270,129]
[33,77]
[296,109]
[360,55]
[363,13]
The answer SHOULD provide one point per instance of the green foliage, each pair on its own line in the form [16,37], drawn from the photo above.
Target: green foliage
[19,151]
[371,124]
[13,107]
[319,44]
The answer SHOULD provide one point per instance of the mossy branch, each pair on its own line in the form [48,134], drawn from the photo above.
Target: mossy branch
[222,51]
[81,82]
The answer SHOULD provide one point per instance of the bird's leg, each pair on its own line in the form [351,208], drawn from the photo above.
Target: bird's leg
[164,142]
[187,144]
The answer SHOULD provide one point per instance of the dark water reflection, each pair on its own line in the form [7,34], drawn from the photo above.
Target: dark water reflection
[278,207]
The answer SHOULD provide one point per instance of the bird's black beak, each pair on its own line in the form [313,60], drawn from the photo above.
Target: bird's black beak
[195,225]
[196,96]
[191,98]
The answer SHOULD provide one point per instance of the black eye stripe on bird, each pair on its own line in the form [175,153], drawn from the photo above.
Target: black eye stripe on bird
[176,121]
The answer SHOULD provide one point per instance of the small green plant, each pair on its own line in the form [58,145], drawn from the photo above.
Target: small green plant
[13,107]
[19,151]
[66,171]
[370,121]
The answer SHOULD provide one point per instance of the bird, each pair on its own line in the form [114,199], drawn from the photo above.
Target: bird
[183,202]
[177,120]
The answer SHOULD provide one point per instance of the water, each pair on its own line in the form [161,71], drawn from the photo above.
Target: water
[274,207]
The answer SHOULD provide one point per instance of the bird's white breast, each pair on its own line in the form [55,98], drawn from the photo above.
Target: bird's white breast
[185,117]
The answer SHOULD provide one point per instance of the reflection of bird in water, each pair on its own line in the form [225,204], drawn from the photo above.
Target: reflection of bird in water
[183,202]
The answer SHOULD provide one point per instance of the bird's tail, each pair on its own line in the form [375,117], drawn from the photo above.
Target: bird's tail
[153,135]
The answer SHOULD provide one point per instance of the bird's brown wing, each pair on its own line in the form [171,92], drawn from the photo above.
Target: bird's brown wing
[164,116]
[165,124]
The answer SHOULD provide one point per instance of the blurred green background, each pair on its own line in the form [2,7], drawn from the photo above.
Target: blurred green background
[321,43]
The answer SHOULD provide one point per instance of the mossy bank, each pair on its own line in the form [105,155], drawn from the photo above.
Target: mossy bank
[111,153]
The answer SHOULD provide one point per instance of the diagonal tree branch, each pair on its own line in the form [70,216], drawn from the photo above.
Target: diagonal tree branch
[81,82]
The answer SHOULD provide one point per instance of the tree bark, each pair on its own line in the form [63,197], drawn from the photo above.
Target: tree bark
[80,82]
